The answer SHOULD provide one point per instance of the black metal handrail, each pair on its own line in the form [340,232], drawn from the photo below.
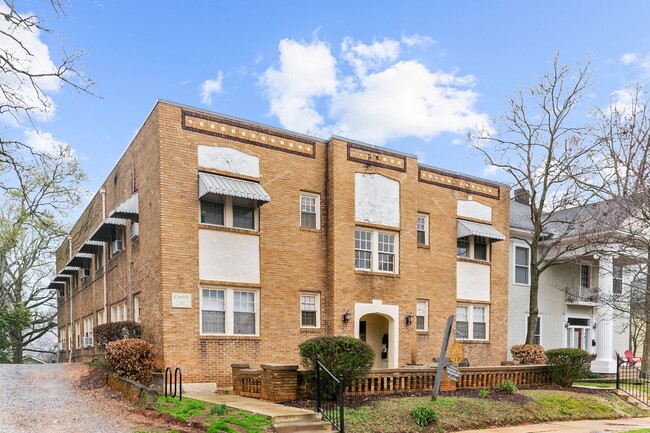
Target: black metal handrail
[329,396]
[632,380]
[178,380]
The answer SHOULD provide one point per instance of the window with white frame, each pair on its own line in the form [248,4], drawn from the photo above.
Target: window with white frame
[136,308]
[617,279]
[522,265]
[585,276]
[422,315]
[309,210]
[88,331]
[423,229]
[101,317]
[227,311]
[310,310]
[118,312]
[62,338]
[99,258]
[227,211]
[537,338]
[473,247]
[77,333]
[472,322]
[375,251]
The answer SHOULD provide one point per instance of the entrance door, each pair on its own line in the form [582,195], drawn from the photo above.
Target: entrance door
[578,333]
[376,336]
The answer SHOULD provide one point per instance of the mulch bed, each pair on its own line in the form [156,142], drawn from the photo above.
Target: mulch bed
[95,379]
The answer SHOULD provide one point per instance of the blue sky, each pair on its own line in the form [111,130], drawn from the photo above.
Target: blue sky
[411,76]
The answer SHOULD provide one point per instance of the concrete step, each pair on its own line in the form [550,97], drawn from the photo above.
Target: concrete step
[302,427]
[224,390]
[297,418]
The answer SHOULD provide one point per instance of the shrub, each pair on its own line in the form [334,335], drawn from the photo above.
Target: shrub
[484,393]
[507,386]
[566,365]
[218,409]
[346,357]
[424,416]
[528,353]
[132,358]
[109,332]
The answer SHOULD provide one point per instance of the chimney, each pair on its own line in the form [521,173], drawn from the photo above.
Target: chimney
[522,196]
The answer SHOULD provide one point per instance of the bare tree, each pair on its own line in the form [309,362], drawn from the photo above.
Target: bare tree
[539,144]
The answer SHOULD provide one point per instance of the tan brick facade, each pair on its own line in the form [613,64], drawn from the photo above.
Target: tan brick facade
[161,164]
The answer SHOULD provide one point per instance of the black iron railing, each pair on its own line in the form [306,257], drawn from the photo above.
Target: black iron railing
[632,380]
[329,396]
[177,385]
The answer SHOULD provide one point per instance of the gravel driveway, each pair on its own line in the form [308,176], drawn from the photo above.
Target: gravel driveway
[42,398]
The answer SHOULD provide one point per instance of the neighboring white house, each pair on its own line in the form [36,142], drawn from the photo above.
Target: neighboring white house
[570,309]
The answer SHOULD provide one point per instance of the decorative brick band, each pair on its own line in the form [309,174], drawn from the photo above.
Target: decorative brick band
[376,157]
[460,183]
[223,127]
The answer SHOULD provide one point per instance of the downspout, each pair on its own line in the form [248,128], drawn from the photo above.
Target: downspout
[102,191]
[70,296]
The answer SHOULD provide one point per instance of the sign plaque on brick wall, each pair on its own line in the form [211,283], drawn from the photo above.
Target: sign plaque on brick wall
[181,300]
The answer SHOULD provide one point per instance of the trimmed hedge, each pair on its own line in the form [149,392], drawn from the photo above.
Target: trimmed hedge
[114,331]
[132,358]
[528,353]
[346,357]
[567,365]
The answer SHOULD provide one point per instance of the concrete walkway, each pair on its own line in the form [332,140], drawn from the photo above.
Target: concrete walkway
[277,412]
[589,426]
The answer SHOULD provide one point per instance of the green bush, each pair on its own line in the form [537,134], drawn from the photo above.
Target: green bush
[132,358]
[507,386]
[109,332]
[484,393]
[346,357]
[567,365]
[424,416]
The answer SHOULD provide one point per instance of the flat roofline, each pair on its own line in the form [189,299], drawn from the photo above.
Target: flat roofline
[467,176]
[373,146]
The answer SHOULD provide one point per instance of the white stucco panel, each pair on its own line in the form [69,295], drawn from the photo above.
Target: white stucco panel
[227,159]
[376,199]
[232,257]
[472,281]
[475,210]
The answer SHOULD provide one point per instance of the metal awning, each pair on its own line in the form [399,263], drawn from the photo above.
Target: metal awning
[56,285]
[105,229]
[80,259]
[62,277]
[70,269]
[213,183]
[467,228]
[127,209]
[91,246]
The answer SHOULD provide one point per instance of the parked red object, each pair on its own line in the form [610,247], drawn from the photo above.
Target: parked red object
[631,360]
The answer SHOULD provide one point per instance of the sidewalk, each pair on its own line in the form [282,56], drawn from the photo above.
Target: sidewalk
[587,426]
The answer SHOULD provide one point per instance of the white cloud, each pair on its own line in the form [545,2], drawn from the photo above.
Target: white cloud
[383,98]
[306,73]
[491,171]
[45,143]
[417,40]
[33,58]
[628,58]
[210,88]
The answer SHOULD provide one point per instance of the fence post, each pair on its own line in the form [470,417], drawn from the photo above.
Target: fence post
[341,390]
[618,371]
[317,383]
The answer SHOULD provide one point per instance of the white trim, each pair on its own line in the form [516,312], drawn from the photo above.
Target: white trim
[310,195]
[390,312]
[539,322]
[229,305]
[374,250]
[470,321]
[426,227]
[589,328]
[426,315]
[317,301]
[514,263]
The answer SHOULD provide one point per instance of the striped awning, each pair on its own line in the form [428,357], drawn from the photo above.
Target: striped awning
[105,229]
[468,228]
[70,269]
[80,259]
[213,183]
[127,209]
[91,246]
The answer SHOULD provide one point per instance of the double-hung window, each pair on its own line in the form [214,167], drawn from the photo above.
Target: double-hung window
[309,210]
[220,210]
[473,247]
[585,276]
[537,338]
[229,312]
[617,279]
[421,315]
[423,229]
[471,322]
[375,251]
[88,331]
[522,265]
[118,312]
[310,310]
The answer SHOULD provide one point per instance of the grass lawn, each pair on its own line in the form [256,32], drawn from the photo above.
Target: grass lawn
[216,418]
[462,413]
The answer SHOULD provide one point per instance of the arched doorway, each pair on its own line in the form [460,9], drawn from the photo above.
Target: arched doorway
[377,326]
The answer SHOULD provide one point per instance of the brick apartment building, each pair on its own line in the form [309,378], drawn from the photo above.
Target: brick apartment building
[234,242]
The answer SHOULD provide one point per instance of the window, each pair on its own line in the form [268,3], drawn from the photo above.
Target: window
[118,312]
[88,331]
[522,265]
[229,211]
[62,345]
[99,258]
[473,247]
[310,310]
[423,229]
[375,251]
[471,322]
[309,210]
[585,276]
[617,282]
[421,314]
[136,308]
[77,333]
[229,312]
[101,317]
[537,338]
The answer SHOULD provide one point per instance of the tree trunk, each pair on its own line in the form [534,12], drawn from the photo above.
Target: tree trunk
[17,348]
[533,308]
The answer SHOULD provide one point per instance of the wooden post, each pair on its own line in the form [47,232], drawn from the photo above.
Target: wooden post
[443,356]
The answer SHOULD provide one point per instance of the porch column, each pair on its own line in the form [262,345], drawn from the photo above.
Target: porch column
[604,362]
